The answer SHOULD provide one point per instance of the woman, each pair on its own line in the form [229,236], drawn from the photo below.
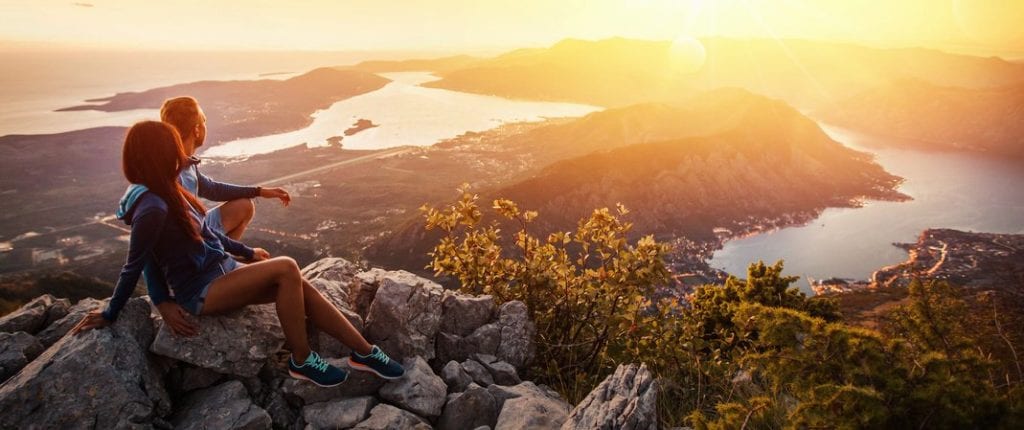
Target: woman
[167,230]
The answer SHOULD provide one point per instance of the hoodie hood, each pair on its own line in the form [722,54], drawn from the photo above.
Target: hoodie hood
[128,201]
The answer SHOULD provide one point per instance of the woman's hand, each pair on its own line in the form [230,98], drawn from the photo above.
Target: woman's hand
[276,193]
[176,319]
[92,320]
[260,254]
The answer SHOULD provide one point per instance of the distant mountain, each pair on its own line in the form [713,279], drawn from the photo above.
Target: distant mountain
[729,159]
[442,64]
[929,116]
[240,109]
[771,162]
[619,72]
[613,72]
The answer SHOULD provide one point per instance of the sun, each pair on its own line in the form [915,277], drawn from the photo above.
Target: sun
[687,54]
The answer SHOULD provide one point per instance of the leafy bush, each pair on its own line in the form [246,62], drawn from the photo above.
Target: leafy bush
[752,353]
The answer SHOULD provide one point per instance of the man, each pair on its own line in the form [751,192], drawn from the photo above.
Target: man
[231,218]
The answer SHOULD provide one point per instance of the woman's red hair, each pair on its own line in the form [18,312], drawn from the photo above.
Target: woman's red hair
[153,156]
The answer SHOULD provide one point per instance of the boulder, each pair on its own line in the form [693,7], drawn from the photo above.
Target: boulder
[237,343]
[455,378]
[470,409]
[484,339]
[282,415]
[405,316]
[462,314]
[527,406]
[363,289]
[338,414]
[478,372]
[502,372]
[358,384]
[387,417]
[337,294]
[626,399]
[225,406]
[98,379]
[419,391]
[16,350]
[52,333]
[186,377]
[332,269]
[517,330]
[35,315]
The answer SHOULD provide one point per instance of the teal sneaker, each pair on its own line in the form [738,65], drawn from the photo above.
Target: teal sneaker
[317,371]
[378,363]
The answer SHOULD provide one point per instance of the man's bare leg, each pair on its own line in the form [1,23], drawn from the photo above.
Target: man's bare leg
[235,217]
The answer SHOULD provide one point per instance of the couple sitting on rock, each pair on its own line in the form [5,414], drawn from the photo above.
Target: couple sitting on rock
[175,242]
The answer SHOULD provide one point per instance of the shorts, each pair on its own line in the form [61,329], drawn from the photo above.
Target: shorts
[214,220]
[194,305]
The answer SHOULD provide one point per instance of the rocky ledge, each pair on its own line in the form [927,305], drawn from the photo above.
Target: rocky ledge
[464,357]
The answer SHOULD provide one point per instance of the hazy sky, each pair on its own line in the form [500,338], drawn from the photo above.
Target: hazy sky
[466,24]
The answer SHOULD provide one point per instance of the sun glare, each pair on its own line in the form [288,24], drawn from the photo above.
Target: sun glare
[687,54]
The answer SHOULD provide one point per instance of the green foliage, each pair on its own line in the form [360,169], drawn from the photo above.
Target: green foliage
[752,353]
[587,290]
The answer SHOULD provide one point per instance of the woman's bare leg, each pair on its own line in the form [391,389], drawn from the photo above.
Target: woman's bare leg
[275,280]
[328,318]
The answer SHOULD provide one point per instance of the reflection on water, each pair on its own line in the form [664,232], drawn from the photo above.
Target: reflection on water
[950,190]
[407,114]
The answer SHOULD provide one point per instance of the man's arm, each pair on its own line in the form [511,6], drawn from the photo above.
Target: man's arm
[222,191]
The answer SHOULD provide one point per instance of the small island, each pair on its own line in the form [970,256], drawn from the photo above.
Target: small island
[360,125]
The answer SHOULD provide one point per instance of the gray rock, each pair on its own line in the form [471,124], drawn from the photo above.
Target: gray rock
[387,417]
[338,414]
[484,339]
[363,289]
[98,379]
[517,330]
[405,316]
[52,333]
[17,350]
[237,343]
[358,384]
[626,399]
[527,406]
[225,406]
[331,269]
[502,372]
[337,294]
[462,314]
[455,378]
[282,415]
[419,391]
[35,315]
[473,408]
[478,372]
[193,378]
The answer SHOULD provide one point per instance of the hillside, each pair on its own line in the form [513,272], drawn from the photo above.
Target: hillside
[922,115]
[682,171]
[772,162]
[242,109]
[619,72]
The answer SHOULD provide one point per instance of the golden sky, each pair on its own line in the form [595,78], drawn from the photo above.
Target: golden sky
[986,25]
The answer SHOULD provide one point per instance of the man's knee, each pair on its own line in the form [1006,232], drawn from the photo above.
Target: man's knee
[248,208]
[237,212]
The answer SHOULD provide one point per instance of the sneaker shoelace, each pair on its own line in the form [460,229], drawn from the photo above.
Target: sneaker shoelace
[316,362]
[380,356]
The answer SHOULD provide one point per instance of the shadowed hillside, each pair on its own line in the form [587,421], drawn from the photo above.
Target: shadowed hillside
[763,164]
[238,109]
[929,116]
